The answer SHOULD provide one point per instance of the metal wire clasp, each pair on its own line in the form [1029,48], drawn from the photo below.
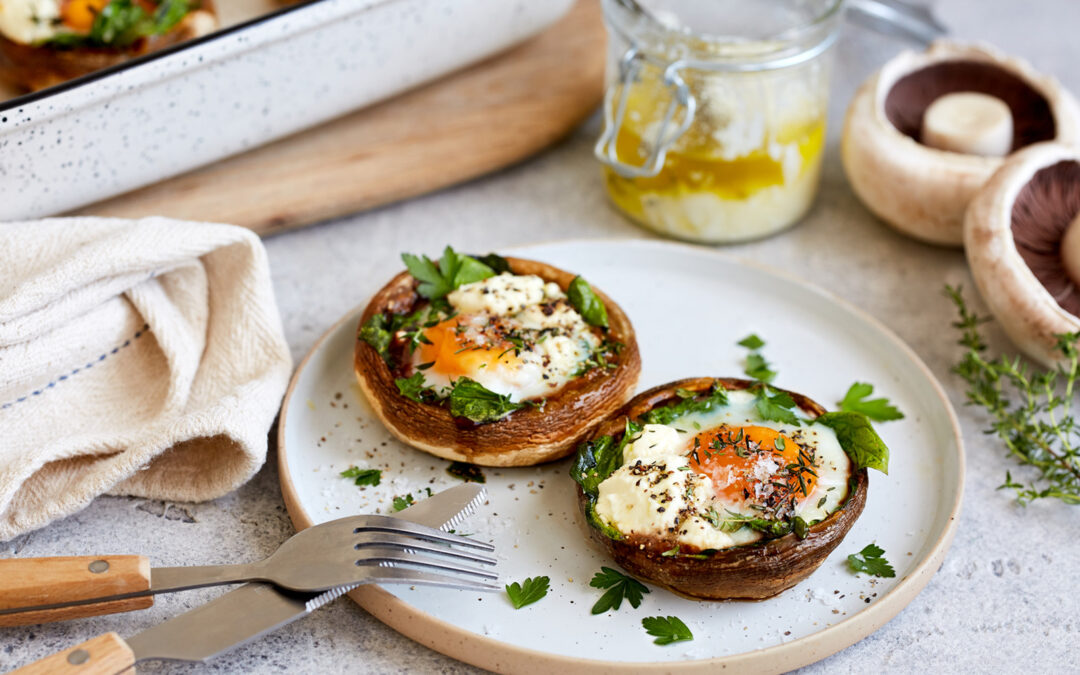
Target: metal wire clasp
[606,146]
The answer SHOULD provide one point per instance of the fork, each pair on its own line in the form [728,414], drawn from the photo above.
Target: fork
[348,551]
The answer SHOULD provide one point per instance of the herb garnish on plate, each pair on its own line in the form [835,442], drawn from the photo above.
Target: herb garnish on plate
[1031,410]
[528,591]
[360,476]
[871,560]
[619,586]
[666,629]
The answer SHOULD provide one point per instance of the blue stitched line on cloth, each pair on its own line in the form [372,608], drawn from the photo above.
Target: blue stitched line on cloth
[38,392]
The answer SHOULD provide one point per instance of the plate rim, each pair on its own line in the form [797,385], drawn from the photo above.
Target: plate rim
[504,657]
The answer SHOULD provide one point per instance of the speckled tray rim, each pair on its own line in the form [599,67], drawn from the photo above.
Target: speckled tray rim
[502,657]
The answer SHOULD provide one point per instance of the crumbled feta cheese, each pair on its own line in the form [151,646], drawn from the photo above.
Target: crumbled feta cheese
[656,441]
[29,21]
[499,295]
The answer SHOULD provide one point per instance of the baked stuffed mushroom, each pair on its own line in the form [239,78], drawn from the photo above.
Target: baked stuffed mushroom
[723,488]
[493,361]
[46,42]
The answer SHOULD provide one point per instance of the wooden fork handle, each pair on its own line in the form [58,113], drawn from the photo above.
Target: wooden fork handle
[106,654]
[32,582]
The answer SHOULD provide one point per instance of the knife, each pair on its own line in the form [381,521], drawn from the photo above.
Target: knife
[237,617]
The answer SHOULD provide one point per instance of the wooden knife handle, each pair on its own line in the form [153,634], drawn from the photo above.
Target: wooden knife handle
[104,655]
[30,582]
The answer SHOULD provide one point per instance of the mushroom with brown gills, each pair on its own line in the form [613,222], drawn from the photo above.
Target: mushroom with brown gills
[904,163]
[534,434]
[1022,237]
[754,571]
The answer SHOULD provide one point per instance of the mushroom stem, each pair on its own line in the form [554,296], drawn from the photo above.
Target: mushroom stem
[970,123]
[1070,250]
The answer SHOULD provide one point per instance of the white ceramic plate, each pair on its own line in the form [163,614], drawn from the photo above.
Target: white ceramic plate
[689,307]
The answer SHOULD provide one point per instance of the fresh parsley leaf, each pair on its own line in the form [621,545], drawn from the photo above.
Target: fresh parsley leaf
[777,408]
[715,397]
[758,368]
[412,387]
[878,409]
[871,560]
[666,629]
[360,476]
[751,341]
[402,502]
[470,473]
[528,591]
[474,401]
[619,586]
[587,303]
[858,439]
[453,270]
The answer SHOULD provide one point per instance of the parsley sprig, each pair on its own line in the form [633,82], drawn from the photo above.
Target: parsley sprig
[756,365]
[1030,409]
[666,629]
[528,591]
[877,409]
[453,270]
[619,586]
[777,407]
[360,476]
[871,560]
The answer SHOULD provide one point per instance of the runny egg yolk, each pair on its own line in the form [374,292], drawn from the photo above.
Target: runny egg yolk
[79,15]
[752,462]
[454,354]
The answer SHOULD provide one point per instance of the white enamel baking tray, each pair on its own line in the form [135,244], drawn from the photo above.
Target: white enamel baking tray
[252,82]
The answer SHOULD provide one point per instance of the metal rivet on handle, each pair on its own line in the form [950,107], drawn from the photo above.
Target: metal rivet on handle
[98,566]
[78,657]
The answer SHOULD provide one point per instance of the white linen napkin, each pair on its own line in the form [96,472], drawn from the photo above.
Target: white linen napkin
[137,358]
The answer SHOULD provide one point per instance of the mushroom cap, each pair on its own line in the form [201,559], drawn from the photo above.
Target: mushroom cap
[922,191]
[1038,187]
[523,438]
[751,572]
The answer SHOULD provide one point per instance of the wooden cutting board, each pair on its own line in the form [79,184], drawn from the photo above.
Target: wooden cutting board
[466,124]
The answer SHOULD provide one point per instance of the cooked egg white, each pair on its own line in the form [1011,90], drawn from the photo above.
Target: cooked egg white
[29,21]
[689,479]
[516,335]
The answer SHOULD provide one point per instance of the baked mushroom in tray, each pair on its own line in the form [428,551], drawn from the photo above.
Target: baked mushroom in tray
[493,361]
[1022,237]
[929,129]
[725,488]
[46,42]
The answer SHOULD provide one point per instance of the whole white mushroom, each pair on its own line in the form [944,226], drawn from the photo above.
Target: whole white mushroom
[917,145]
[1022,238]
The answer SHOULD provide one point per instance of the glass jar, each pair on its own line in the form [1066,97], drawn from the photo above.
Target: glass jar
[715,113]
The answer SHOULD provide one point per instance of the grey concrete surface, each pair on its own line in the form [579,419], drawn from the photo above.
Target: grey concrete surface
[1005,599]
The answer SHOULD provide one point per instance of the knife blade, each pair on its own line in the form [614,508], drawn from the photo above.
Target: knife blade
[243,614]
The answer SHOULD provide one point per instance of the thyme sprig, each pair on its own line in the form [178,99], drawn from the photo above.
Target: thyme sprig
[1031,409]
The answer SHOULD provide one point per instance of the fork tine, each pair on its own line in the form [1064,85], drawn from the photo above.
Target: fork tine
[386,539]
[376,523]
[376,555]
[402,575]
